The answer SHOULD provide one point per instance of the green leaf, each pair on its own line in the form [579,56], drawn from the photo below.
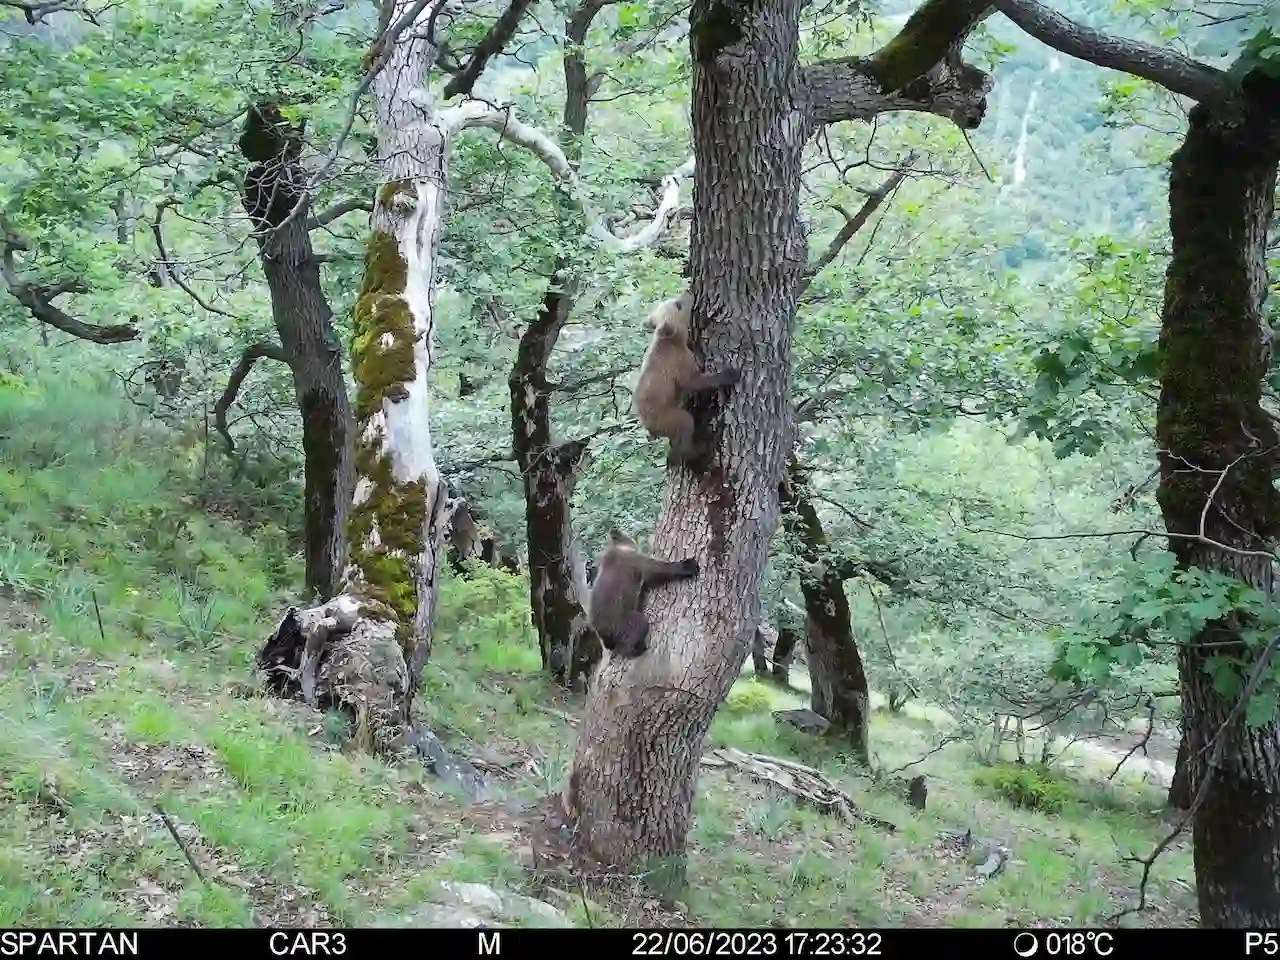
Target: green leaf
[1261,708]
[1224,676]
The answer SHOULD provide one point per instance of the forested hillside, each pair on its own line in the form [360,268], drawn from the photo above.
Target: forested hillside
[341,378]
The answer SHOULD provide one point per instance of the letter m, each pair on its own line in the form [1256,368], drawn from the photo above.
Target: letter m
[489,944]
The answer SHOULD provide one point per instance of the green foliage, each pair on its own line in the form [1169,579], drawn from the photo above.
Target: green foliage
[748,698]
[1031,786]
[1164,606]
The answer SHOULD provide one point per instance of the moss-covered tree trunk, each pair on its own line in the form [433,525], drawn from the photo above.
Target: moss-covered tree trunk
[304,321]
[837,677]
[1218,464]
[399,520]
[570,648]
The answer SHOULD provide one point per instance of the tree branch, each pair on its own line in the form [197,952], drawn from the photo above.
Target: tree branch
[1174,72]
[929,35]
[340,209]
[856,222]
[502,31]
[503,121]
[251,355]
[36,13]
[39,299]
[380,56]
[918,70]
[171,267]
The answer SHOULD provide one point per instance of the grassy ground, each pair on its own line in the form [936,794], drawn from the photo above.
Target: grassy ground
[129,616]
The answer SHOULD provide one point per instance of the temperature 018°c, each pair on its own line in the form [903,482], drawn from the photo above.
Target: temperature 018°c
[1075,944]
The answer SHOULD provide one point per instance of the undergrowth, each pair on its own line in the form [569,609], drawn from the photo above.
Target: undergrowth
[1031,786]
[136,585]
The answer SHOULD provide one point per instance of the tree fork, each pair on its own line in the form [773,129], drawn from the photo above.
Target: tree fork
[636,761]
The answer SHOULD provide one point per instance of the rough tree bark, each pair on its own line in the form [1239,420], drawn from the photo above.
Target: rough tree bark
[1218,460]
[631,787]
[838,679]
[304,321]
[1181,789]
[570,648]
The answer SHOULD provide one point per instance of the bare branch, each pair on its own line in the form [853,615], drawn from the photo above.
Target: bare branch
[1174,72]
[857,221]
[37,12]
[39,299]
[380,57]
[251,355]
[340,209]
[1215,747]
[490,46]
[476,113]
[171,266]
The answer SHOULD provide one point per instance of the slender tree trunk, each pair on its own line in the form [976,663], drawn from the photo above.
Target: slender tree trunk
[1181,789]
[570,648]
[784,652]
[635,767]
[400,511]
[838,680]
[304,322]
[775,664]
[760,652]
[1218,463]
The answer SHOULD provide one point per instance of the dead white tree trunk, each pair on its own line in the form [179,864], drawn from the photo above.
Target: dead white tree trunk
[365,649]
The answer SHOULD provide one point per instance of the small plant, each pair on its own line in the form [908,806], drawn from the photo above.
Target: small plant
[1031,786]
[200,618]
[749,697]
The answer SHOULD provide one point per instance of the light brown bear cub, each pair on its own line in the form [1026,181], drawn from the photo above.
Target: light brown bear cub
[670,374]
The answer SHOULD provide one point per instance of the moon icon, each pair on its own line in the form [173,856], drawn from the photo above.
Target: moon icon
[1025,944]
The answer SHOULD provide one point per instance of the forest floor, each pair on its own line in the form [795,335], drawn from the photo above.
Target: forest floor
[129,617]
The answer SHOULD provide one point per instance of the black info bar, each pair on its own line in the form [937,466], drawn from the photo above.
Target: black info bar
[508,942]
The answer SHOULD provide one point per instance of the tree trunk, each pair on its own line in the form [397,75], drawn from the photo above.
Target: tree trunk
[1218,449]
[784,652]
[760,652]
[636,763]
[570,648]
[837,678]
[774,664]
[272,190]
[1181,790]
[400,512]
